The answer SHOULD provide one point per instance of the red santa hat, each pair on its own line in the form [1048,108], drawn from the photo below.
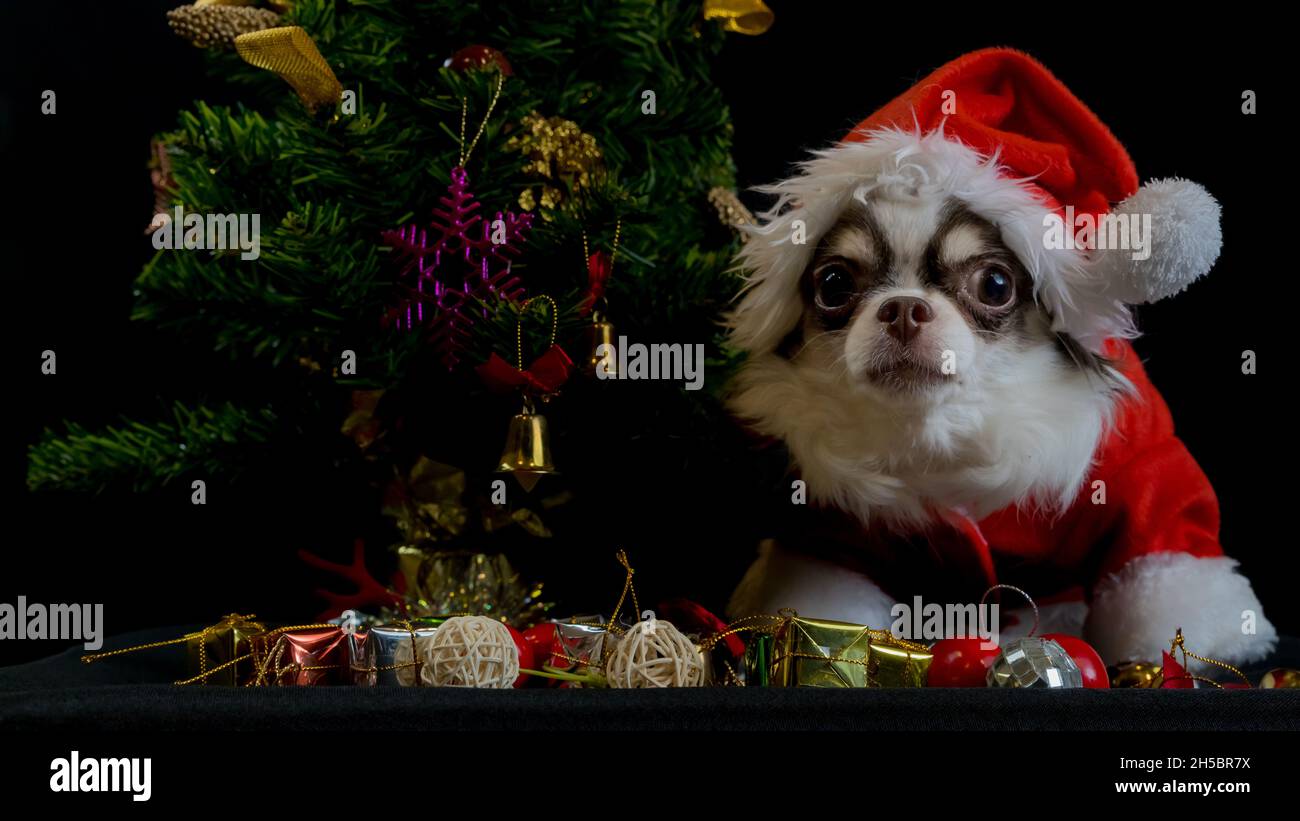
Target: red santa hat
[996,130]
[1005,104]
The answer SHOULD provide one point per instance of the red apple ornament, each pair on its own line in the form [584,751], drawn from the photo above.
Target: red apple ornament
[961,663]
[479,57]
[1085,658]
[541,637]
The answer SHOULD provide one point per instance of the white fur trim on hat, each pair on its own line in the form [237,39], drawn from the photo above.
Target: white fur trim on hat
[1136,612]
[1185,242]
[1085,297]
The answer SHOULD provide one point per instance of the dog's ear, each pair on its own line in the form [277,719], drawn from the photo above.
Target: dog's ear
[770,306]
[1098,366]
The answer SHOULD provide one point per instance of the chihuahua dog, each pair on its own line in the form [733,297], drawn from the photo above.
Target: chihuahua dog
[927,358]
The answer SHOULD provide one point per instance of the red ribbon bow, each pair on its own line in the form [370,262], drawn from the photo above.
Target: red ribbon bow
[547,373]
[599,266]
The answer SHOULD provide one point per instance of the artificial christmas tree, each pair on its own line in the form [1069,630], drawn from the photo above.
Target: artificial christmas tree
[597,120]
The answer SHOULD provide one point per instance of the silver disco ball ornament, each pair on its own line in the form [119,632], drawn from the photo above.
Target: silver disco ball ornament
[1034,662]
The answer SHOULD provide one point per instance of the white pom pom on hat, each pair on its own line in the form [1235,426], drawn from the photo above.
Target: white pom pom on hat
[1184,243]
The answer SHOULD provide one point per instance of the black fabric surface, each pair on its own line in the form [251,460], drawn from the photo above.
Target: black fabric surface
[61,694]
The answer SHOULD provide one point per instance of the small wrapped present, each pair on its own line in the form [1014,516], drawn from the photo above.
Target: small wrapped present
[580,644]
[222,654]
[315,655]
[819,653]
[391,655]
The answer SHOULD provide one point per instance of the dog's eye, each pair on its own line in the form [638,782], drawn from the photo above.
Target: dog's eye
[993,287]
[835,287]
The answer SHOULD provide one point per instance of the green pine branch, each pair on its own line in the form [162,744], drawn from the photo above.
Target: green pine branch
[147,455]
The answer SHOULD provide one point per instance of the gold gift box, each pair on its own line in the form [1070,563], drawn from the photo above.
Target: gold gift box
[217,645]
[820,653]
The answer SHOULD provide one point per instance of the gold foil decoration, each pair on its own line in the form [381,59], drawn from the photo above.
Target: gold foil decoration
[439,582]
[362,425]
[291,53]
[427,503]
[559,152]
[751,17]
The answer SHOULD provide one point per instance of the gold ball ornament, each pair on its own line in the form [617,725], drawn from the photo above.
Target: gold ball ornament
[1134,674]
[654,653]
[473,651]
[1280,678]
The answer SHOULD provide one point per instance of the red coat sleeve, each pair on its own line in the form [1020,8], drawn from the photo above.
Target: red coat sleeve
[1157,498]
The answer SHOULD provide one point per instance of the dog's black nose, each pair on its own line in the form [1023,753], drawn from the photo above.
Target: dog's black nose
[904,315]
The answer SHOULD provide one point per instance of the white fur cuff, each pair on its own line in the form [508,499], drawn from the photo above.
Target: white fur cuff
[1136,612]
[811,587]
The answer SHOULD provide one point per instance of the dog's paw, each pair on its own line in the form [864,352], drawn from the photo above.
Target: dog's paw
[1136,611]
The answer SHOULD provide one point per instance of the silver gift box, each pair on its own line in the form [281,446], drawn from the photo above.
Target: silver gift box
[391,655]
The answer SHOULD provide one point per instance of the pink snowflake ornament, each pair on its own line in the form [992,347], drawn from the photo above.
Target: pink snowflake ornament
[454,264]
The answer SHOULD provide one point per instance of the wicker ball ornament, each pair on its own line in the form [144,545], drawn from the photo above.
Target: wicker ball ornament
[654,653]
[473,651]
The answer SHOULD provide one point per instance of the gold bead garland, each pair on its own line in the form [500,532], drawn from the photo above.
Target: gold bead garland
[217,26]
[731,211]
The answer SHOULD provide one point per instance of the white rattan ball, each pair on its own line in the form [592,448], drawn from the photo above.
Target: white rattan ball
[654,653]
[473,651]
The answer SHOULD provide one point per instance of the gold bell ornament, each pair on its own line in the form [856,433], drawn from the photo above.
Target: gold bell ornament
[527,453]
[602,360]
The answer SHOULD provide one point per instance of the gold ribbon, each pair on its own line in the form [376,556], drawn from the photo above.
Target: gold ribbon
[751,17]
[229,621]
[290,52]
[628,590]
[1178,644]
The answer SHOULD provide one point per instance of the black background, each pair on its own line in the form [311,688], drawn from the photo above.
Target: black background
[78,196]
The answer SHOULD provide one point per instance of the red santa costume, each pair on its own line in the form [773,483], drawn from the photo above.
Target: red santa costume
[1140,537]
